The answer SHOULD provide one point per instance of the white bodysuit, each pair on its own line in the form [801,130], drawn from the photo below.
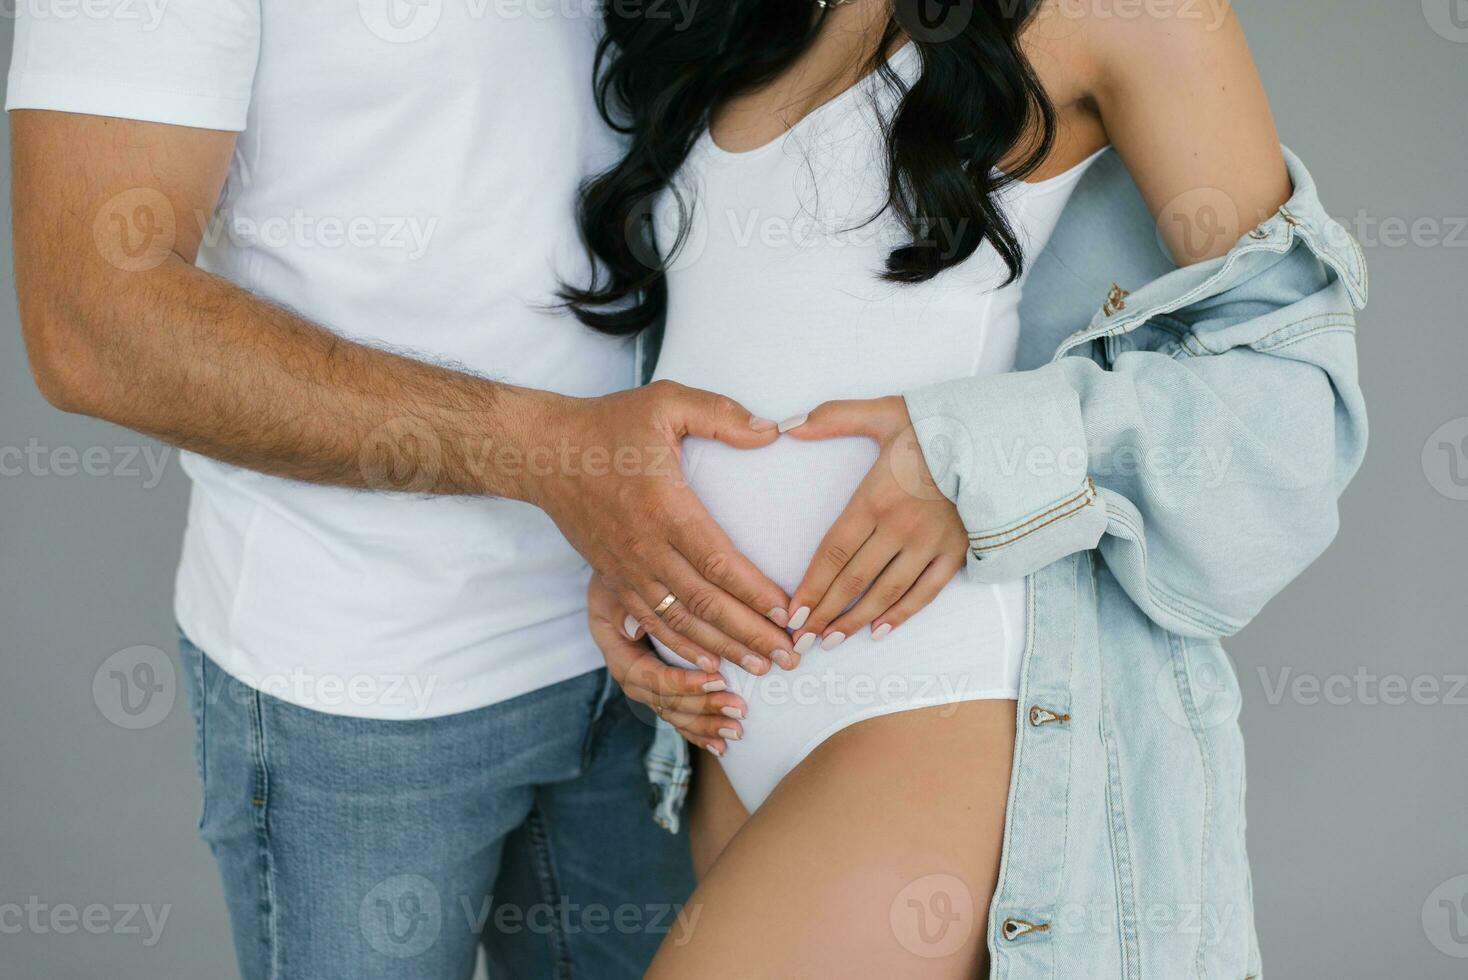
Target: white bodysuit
[775,299]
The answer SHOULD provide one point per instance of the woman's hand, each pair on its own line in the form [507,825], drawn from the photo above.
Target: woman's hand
[895,546]
[693,701]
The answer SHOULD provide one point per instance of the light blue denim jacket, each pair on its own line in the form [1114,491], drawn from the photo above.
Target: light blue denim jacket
[1165,459]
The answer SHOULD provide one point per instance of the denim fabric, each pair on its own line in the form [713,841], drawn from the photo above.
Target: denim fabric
[1166,457]
[360,849]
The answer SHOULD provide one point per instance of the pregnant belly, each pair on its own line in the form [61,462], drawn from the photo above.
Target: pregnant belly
[776,503]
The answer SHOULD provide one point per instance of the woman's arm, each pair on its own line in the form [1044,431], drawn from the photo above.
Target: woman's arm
[1245,377]
[1181,100]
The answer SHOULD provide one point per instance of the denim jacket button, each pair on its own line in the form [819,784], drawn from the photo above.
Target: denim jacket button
[1013,929]
[1044,716]
[1115,300]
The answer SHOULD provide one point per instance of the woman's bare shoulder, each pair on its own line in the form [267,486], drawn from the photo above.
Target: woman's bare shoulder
[1175,89]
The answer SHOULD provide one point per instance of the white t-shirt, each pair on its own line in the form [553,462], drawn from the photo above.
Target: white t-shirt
[405,176]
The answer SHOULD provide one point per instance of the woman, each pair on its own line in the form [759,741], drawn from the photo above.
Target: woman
[846,204]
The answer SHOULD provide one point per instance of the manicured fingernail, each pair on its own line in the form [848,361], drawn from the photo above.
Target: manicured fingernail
[793,422]
[833,640]
[730,734]
[881,631]
[718,753]
[806,641]
[714,687]
[753,664]
[798,620]
[708,664]
[779,616]
[629,626]
[761,424]
[784,659]
[729,711]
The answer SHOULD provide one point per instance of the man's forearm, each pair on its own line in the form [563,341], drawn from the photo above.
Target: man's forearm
[200,363]
[147,340]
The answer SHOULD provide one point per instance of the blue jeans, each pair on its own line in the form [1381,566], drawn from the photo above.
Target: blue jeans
[361,849]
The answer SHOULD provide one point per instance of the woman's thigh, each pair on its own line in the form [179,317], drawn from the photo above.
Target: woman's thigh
[715,813]
[876,857]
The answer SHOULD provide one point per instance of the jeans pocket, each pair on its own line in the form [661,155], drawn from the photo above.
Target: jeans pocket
[607,710]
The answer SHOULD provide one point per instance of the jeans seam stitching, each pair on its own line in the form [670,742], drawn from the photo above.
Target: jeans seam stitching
[260,800]
[1185,693]
[550,889]
[1087,490]
[1078,503]
[201,681]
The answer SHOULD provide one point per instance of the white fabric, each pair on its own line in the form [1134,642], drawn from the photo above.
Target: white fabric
[775,300]
[406,177]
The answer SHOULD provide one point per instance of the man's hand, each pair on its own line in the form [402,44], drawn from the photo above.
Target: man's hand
[895,546]
[153,343]
[611,478]
[692,701]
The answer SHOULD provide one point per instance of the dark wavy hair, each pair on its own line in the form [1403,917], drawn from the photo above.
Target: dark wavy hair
[660,75]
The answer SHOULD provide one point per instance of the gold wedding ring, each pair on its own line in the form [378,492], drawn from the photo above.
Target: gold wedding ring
[663,606]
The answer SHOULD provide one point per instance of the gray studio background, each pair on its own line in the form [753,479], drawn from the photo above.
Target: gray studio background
[1355,710]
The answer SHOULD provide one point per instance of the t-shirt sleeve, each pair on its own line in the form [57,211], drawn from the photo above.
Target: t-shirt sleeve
[182,62]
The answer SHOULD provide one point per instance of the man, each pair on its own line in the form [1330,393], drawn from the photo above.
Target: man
[298,240]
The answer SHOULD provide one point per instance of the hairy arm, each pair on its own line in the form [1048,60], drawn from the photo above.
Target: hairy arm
[120,324]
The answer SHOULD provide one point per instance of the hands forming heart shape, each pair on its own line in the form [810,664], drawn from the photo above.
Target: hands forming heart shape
[894,547]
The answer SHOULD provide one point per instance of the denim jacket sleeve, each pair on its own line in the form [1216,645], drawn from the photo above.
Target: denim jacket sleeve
[1198,432]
